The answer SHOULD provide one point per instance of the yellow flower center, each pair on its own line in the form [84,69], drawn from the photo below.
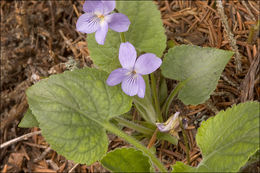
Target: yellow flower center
[101,16]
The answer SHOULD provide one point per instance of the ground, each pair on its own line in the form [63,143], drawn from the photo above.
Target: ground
[38,39]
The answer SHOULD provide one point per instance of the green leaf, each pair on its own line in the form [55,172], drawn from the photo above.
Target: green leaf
[146,33]
[250,163]
[229,139]
[28,120]
[254,158]
[198,68]
[181,167]
[126,160]
[167,137]
[105,56]
[72,108]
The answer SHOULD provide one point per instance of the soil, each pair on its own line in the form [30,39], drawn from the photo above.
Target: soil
[38,39]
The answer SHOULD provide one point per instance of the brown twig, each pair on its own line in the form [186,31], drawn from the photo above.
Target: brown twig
[74,167]
[24,137]
[46,151]
[68,42]
[248,10]
[247,87]
[231,38]
[52,18]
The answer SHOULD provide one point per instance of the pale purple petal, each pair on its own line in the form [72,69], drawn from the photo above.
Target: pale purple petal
[116,76]
[169,124]
[118,22]
[162,127]
[108,6]
[88,23]
[127,55]
[101,33]
[174,117]
[141,86]
[93,7]
[147,63]
[130,85]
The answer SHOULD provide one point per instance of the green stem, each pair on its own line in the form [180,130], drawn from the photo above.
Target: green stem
[122,37]
[168,102]
[145,105]
[135,143]
[134,126]
[155,97]
[185,136]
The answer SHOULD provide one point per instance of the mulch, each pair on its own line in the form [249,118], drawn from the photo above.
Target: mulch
[38,39]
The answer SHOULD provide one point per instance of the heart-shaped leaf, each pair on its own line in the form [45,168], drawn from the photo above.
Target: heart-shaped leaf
[71,109]
[227,140]
[198,68]
[146,33]
[126,160]
[28,120]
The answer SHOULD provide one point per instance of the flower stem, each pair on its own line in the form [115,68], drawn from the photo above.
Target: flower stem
[134,126]
[168,102]
[110,127]
[155,97]
[185,136]
[122,37]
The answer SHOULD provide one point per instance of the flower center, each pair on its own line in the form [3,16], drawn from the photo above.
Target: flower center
[101,16]
[133,72]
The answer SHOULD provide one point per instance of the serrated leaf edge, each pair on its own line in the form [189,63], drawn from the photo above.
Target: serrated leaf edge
[224,113]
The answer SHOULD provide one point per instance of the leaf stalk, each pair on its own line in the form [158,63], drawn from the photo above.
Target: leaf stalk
[185,137]
[110,127]
[169,100]
[134,126]
[155,97]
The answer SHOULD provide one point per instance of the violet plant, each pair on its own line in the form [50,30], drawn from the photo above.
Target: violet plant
[75,109]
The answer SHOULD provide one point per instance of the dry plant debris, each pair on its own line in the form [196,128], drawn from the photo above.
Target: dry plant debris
[38,38]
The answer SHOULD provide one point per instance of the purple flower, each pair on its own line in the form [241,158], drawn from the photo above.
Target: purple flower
[171,124]
[131,73]
[97,19]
